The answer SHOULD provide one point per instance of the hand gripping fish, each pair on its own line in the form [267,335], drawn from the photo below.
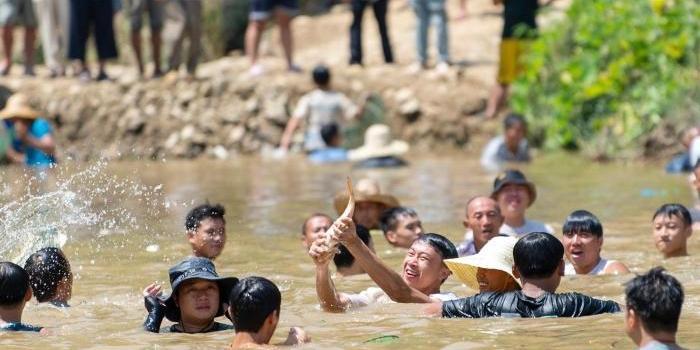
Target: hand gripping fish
[347,213]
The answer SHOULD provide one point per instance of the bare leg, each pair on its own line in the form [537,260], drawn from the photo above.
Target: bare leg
[498,96]
[29,39]
[252,40]
[136,44]
[155,42]
[284,22]
[7,48]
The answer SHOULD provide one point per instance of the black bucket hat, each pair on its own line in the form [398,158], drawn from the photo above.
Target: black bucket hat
[196,268]
[513,177]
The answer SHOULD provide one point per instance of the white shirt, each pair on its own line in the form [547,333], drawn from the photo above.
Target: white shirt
[375,295]
[319,108]
[599,268]
[529,227]
[496,153]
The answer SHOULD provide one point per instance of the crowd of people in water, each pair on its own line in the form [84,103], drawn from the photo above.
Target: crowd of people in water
[515,265]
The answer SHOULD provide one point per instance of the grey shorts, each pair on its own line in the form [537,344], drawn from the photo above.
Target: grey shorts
[17,13]
[156,14]
[261,10]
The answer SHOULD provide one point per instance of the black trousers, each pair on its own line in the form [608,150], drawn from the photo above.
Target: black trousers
[95,16]
[380,8]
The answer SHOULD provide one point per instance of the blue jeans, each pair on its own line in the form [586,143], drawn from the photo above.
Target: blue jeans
[427,11]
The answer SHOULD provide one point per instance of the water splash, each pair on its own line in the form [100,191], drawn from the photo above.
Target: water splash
[86,204]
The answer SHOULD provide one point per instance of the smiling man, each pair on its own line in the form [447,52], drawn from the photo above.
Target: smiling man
[514,194]
[206,230]
[421,277]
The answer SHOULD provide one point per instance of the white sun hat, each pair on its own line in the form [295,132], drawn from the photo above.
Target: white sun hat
[496,254]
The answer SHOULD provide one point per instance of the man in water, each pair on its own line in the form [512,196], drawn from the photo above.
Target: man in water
[483,221]
[510,147]
[254,306]
[50,276]
[401,226]
[313,227]
[538,262]
[419,282]
[672,227]
[205,227]
[654,301]
[198,297]
[583,241]
[514,194]
[14,295]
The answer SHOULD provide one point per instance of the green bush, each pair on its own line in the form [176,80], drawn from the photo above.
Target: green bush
[608,73]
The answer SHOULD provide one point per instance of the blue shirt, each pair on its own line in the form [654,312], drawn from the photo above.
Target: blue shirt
[19,327]
[35,157]
[329,155]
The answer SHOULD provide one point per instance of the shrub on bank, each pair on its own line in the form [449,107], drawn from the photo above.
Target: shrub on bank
[609,73]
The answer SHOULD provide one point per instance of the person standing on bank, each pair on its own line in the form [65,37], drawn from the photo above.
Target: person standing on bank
[380,8]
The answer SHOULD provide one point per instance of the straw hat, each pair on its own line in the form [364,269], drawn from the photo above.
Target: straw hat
[366,190]
[496,254]
[378,143]
[17,106]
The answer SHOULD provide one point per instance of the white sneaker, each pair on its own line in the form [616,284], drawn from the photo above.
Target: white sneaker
[442,68]
[256,70]
[415,68]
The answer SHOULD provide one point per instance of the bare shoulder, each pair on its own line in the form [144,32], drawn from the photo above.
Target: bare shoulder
[617,268]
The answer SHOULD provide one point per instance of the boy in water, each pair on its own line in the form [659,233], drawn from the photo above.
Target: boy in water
[654,302]
[50,276]
[512,146]
[254,306]
[401,226]
[672,226]
[206,230]
[14,294]
[320,107]
[198,297]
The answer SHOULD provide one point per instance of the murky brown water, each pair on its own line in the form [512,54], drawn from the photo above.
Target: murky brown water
[266,203]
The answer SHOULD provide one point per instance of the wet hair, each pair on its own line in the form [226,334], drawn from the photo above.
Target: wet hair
[321,75]
[252,300]
[538,255]
[656,297]
[329,132]
[671,209]
[46,268]
[582,221]
[314,215]
[201,213]
[512,120]
[390,217]
[344,258]
[14,283]
[442,245]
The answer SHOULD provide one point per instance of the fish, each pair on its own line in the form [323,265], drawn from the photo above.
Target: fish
[347,213]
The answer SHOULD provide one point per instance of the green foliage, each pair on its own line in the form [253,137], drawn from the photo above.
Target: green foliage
[609,73]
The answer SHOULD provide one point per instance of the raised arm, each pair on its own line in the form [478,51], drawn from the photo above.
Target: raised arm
[387,279]
[329,299]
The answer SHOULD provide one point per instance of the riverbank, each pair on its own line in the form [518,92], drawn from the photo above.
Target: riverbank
[226,112]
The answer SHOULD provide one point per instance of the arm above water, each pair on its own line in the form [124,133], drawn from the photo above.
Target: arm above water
[617,268]
[577,305]
[387,279]
[329,299]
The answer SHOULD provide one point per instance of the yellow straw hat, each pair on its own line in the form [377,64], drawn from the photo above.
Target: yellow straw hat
[496,254]
[17,106]
[366,190]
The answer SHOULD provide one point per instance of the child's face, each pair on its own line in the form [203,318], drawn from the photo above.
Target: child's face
[198,300]
[670,234]
[209,239]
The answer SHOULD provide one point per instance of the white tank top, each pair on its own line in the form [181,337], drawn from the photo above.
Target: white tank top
[569,269]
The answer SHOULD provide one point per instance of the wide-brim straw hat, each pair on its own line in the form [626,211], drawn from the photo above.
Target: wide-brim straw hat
[496,254]
[196,268]
[378,143]
[513,177]
[366,190]
[17,106]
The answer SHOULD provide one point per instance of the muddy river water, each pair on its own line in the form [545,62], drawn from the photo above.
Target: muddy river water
[266,202]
